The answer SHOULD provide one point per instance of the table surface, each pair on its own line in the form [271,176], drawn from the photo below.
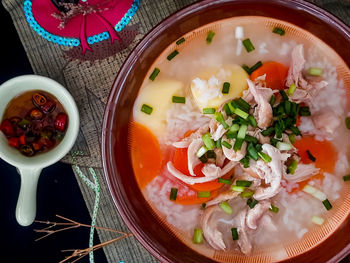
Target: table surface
[58,191]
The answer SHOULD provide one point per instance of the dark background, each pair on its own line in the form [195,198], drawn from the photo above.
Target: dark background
[58,191]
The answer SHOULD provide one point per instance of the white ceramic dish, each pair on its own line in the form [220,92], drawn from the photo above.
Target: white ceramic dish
[30,167]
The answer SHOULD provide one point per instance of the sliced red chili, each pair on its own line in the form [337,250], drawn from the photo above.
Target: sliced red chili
[14,142]
[48,107]
[39,99]
[7,128]
[22,139]
[61,122]
[37,146]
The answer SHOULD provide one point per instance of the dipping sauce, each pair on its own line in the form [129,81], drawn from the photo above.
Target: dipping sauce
[34,122]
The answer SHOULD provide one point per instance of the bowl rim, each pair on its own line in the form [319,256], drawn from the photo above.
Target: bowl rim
[127,65]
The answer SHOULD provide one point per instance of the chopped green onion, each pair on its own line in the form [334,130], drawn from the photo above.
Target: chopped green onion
[311,157]
[173,194]
[289,122]
[294,109]
[251,139]
[279,31]
[211,154]
[268,131]
[291,89]
[284,95]
[203,158]
[274,209]
[230,106]
[243,105]
[245,161]
[292,138]
[238,144]
[315,71]
[280,109]
[317,220]
[265,157]
[278,131]
[203,194]
[220,118]
[252,121]
[225,181]
[227,110]
[314,192]
[272,100]
[327,204]
[231,135]
[172,55]
[247,69]
[247,194]
[243,183]
[347,122]
[258,147]
[346,177]
[255,67]
[252,152]
[154,74]
[180,41]
[226,144]
[210,37]
[226,207]
[252,202]
[274,141]
[177,99]
[237,188]
[234,232]
[201,151]
[242,131]
[146,109]
[208,141]
[304,111]
[225,88]
[218,143]
[208,110]
[284,146]
[248,45]
[295,130]
[234,128]
[291,168]
[241,113]
[240,120]
[287,106]
[198,236]
[203,205]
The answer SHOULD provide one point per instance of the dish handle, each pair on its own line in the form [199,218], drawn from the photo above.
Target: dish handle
[26,204]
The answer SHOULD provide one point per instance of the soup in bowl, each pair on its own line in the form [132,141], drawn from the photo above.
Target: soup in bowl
[237,142]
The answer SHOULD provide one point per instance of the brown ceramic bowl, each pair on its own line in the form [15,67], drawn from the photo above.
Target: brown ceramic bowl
[122,184]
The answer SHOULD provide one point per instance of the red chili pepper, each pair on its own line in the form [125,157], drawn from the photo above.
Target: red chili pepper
[39,99]
[48,107]
[6,128]
[22,139]
[14,142]
[37,146]
[61,122]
